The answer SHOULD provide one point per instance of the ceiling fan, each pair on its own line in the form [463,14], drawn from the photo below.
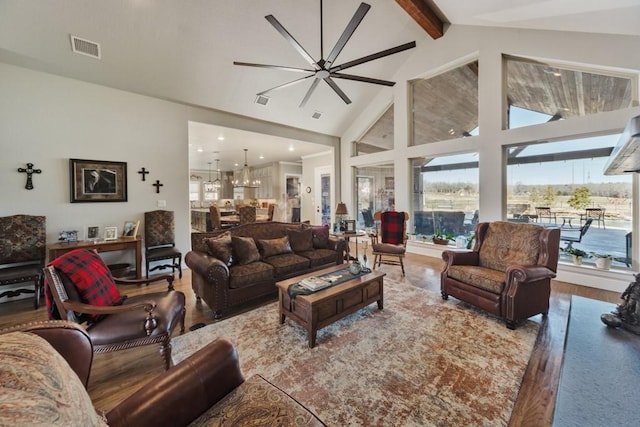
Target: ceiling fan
[324,68]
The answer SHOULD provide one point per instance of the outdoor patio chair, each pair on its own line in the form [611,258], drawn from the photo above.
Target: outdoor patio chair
[545,212]
[573,238]
[597,214]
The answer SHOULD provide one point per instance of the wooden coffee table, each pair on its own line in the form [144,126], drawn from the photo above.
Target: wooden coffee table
[317,310]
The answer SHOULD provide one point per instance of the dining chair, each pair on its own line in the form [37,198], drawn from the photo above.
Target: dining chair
[247,215]
[214,214]
[160,241]
[270,211]
[22,254]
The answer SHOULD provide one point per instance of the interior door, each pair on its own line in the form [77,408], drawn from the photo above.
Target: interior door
[322,196]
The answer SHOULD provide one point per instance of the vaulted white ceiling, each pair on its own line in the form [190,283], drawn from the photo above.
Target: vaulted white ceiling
[184,50]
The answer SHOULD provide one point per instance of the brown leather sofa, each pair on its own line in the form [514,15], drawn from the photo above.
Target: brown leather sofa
[225,284]
[204,389]
[508,272]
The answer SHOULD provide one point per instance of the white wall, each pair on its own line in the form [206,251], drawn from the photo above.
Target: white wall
[47,119]
[462,44]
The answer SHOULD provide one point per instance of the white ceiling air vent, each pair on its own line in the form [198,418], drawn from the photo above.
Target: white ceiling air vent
[316,115]
[85,47]
[262,100]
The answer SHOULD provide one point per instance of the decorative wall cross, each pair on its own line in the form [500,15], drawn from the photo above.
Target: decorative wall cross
[144,173]
[158,185]
[29,171]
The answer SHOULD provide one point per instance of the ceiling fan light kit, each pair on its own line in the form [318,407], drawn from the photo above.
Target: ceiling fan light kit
[323,69]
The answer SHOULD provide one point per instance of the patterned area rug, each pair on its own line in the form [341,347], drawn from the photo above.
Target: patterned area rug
[421,361]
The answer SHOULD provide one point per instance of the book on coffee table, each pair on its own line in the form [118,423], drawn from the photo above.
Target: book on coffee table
[316,283]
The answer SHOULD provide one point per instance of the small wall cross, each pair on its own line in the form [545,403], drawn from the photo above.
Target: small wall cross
[158,185]
[29,171]
[144,173]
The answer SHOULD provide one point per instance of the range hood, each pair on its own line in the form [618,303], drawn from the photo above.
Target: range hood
[625,157]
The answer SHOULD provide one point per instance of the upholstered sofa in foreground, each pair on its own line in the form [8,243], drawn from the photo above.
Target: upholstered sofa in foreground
[508,272]
[242,264]
[45,369]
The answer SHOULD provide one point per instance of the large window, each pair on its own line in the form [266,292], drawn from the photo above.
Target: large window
[562,184]
[445,106]
[445,195]
[378,138]
[375,192]
[539,92]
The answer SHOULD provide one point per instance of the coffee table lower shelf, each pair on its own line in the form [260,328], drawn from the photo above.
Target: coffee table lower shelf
[324,307]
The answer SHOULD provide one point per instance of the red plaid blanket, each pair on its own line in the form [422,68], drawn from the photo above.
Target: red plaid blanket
[392,227]
[91,277]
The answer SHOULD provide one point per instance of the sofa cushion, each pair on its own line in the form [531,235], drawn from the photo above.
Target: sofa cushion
[301,240]
[272,247]
[286,264]
[319,257]
[38,387]
[320,237]
[241,276]
[508,244]
[480,277]
[220,247]
[257,402]
[245,250]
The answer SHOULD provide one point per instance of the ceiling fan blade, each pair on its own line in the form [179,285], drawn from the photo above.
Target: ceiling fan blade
[309,92]
[275,67]
[339,91]
[291,83]
[278,26]
[347,33]
[373,56]
[362,79]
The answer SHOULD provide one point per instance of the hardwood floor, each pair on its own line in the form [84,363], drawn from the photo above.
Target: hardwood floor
[115,376]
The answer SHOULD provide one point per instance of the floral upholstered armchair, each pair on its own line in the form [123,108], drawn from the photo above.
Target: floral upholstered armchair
[508,272]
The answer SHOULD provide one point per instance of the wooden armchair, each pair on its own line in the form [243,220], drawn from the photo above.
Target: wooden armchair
[80,289]
[390,241]
[508,272]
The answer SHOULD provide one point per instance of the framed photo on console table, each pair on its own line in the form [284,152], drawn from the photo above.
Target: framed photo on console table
[350,226]
[97,181]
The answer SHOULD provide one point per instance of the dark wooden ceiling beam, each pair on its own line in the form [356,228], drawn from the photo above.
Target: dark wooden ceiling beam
[424,15]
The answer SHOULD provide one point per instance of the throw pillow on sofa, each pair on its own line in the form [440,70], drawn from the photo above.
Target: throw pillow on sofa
[245,250]
[273,247]
[321,237]
[221,247]
[302,240]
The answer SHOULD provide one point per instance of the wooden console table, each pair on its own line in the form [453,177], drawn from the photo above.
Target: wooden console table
[121,244]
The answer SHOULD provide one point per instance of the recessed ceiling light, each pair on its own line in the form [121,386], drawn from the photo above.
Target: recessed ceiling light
[261,157]
[452,132]
[200,150]
[221,138]
[235,164]
[291,148]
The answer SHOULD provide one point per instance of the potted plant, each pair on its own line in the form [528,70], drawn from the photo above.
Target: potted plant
[441,238]
[603,261]
[577,254]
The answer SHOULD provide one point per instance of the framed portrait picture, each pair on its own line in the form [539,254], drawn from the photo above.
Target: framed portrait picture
[93,232]
[350,226]
[68,236]
[110,233]
[130,229]
[97,181]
